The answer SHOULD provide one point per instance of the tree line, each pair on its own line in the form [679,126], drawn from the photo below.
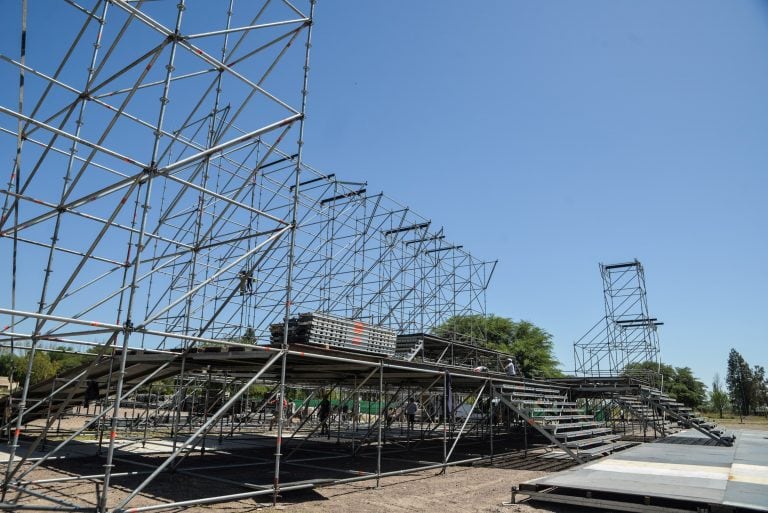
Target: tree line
[679,382]
[745,391]
[531,345]
[45,365]
[533,348]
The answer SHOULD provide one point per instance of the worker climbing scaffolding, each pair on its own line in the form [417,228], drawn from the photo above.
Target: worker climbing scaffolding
[246,281]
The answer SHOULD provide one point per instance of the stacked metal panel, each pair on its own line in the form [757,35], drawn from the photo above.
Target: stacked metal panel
[405,345]
[330,331]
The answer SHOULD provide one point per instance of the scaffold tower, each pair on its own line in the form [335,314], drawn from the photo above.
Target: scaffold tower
[157,198]
[155,184]
[627,334]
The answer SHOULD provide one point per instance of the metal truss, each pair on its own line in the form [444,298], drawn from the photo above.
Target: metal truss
[157,199]
[627,334]
[164,209]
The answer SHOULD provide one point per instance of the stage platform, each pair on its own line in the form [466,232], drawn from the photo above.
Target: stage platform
[680,473]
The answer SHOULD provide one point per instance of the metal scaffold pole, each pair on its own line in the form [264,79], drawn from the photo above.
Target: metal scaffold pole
[160,181]
[145,206]
[281,400]
[381,420]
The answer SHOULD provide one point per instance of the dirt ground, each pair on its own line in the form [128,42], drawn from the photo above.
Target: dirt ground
[460,490]
[751,422]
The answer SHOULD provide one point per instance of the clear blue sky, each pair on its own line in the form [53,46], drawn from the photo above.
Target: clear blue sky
[557,135]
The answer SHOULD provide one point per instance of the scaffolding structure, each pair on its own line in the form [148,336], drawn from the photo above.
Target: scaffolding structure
[182,206]
[627,334]
[158,205]
[157,179]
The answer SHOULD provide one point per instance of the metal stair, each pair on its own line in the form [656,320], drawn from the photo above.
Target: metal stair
[414,351]
[643,412]
[562,422]
[408,347]
[684,415]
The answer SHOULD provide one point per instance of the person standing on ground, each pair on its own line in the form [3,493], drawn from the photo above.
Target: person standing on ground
[356,409]
[323,412]
[410,412]
[276,413]
[344,412]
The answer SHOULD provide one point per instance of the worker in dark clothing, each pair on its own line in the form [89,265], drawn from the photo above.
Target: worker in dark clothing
[323,413]
[246,281]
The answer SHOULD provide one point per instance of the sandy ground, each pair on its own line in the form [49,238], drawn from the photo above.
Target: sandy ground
[460,490]
[750,423]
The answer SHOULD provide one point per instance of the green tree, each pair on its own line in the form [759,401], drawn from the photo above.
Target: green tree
[657,374]
[42,367]
[474,328]
[741,383]
[249,337]
[65,360]
[761,386]
[718,398]
[11,367]
[679,382]
[531,346]
[687,389]
[46,364]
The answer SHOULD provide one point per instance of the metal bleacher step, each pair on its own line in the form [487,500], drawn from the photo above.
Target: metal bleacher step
[670,415]
[570,410]
[536,395]
[563,417]
[508,387]
[571,435]
[536,404]
[572,425]
[607,448]
[563,421]
[586,442]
